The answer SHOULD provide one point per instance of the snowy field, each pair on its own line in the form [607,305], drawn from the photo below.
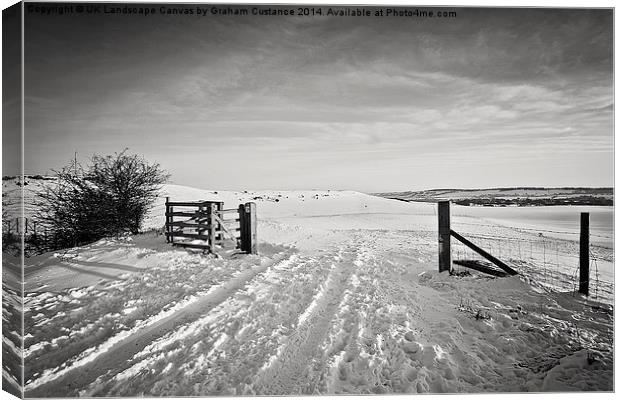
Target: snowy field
[344,297]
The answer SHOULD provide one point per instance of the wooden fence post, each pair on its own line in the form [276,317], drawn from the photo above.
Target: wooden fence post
[247,225]
[201,230]
[242,225]
[445,255]
[211,223]
[219,206]
[168,220]
[251,210]
[584,254]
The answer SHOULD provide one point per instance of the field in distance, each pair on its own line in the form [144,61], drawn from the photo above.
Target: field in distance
[517,196]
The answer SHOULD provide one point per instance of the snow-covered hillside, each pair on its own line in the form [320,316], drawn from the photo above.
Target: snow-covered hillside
[343,297]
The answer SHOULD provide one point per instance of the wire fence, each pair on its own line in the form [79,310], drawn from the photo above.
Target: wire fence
[547,262]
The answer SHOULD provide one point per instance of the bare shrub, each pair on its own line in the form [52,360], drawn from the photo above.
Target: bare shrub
[108,197]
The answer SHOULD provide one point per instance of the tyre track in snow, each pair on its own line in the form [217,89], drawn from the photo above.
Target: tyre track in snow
[66,381]
[287,374]
[255,317]
[243,345]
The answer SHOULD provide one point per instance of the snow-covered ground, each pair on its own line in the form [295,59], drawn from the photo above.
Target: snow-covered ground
[344,297]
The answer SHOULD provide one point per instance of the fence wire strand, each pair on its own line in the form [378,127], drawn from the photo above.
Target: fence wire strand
[548,262]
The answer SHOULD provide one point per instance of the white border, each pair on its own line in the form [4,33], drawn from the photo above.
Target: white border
[449,3]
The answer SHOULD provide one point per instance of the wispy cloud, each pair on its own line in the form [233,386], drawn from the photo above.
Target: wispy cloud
[493,87]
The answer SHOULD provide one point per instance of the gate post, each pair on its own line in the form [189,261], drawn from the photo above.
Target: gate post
[251,210]
[219,206]
[247,224]
[242,233]
[168,220]
[211,223]
[200,230]
[584,254]
[445,255]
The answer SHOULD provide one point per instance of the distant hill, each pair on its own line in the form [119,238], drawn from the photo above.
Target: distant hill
[517,196]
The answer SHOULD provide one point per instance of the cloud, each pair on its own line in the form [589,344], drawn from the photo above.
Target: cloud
[503,84]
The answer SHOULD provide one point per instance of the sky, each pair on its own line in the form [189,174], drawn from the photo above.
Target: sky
[490,98]
[11,90]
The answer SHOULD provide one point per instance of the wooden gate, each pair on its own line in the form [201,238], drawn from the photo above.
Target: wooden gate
[207,224]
